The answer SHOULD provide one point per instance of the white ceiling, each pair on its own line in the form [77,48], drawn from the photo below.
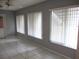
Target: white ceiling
[18,4]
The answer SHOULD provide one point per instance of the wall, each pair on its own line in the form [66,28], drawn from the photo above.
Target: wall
[45,8]
[9,22]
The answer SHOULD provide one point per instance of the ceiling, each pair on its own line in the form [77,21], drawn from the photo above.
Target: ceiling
[18,4]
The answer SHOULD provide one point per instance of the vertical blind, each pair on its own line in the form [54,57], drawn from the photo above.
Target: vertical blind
[64,26]
[35,24]
[20,24]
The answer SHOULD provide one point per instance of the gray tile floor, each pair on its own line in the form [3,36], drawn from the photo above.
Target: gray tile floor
[13,48]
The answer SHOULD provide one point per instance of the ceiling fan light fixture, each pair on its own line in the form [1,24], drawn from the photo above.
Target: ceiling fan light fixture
[6,3]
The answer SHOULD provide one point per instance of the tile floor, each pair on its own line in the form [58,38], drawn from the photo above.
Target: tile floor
[13,48]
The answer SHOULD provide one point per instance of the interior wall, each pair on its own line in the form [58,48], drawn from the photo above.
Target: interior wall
[45,9]
[9,22]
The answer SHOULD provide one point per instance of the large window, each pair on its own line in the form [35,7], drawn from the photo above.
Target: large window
[64,26]
[20,24]
[35,24]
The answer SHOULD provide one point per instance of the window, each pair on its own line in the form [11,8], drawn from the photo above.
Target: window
[64,26]
[35,24]
[20,24]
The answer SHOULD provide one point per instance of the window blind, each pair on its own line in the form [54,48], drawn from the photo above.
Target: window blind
[64,26]
[35,24]
[20,24]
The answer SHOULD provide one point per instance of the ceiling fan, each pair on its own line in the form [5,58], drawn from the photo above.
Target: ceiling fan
[5,3]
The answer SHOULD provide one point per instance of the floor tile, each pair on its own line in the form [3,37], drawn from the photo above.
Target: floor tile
[14,48]
[18,56]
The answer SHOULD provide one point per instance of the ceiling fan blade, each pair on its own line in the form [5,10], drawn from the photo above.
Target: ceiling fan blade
[1,6]
[8,3]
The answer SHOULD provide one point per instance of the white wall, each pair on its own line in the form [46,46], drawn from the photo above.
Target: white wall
[9,23]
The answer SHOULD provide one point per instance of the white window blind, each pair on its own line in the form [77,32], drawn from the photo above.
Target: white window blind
[20,24]
[57,26]
[35,24]
[64,26]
